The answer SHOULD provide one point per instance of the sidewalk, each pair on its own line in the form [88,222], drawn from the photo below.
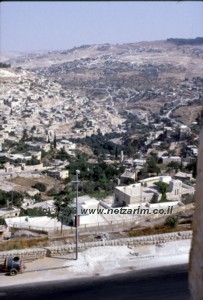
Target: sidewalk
[101,261]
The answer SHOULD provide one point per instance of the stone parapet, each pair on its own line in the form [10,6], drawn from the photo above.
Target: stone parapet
[69,248]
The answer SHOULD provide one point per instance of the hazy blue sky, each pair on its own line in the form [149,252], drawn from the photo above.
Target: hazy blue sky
[27,26]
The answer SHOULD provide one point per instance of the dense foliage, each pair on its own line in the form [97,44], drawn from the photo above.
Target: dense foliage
[63,208]
[3,160]
[12,197]
[96,177]
[39,186]
[150,168]
[171,222]
[100,144]
[33,212]
[163,186]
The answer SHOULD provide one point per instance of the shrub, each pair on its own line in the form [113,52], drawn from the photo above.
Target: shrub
[40,186]
[51,192]
[171,222]
[24,243]
[2,221]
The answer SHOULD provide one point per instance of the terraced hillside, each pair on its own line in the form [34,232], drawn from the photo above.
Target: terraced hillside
[143,78]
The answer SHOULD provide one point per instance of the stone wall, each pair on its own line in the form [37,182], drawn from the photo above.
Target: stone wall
[33,167]
[136,241]
[25,253]
[63,250]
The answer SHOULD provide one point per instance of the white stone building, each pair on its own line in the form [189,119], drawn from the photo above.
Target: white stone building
[59,174]
[146,191]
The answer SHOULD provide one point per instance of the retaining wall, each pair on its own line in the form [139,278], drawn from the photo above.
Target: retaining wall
[63,250]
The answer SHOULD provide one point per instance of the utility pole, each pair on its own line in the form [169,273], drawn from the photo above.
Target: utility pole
[76,217]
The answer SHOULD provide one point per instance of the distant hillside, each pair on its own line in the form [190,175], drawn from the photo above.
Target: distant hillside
[145,78]
[181,42]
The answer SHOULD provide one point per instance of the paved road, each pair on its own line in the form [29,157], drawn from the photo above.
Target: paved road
[155,284]
[20,172]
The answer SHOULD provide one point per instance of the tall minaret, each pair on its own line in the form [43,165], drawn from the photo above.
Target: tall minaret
[121,157]
[196,254]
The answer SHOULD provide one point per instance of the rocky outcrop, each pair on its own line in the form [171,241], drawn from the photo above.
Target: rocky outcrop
[196,254]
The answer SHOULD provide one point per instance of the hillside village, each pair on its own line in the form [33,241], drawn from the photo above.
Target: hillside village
[128,157]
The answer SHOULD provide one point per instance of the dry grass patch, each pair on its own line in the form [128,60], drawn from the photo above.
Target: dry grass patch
[157,230]
[23,243]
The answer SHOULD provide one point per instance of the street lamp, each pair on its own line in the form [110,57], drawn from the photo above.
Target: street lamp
[76,219]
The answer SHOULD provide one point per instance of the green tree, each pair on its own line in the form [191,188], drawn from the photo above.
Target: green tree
[44,153]
[33,212]
[3,160]
[198,119]
[171,222]
[143,173]
[174,165]
[62,155]
[13,197]
[192,167]
[63,208]
[33,161]
[152,165]
[25,136]
[38,197]
[2,221]
[33,129]
[40,186]
[116,153]
[52,192]
[12,133]
[163,186]
[55,141]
